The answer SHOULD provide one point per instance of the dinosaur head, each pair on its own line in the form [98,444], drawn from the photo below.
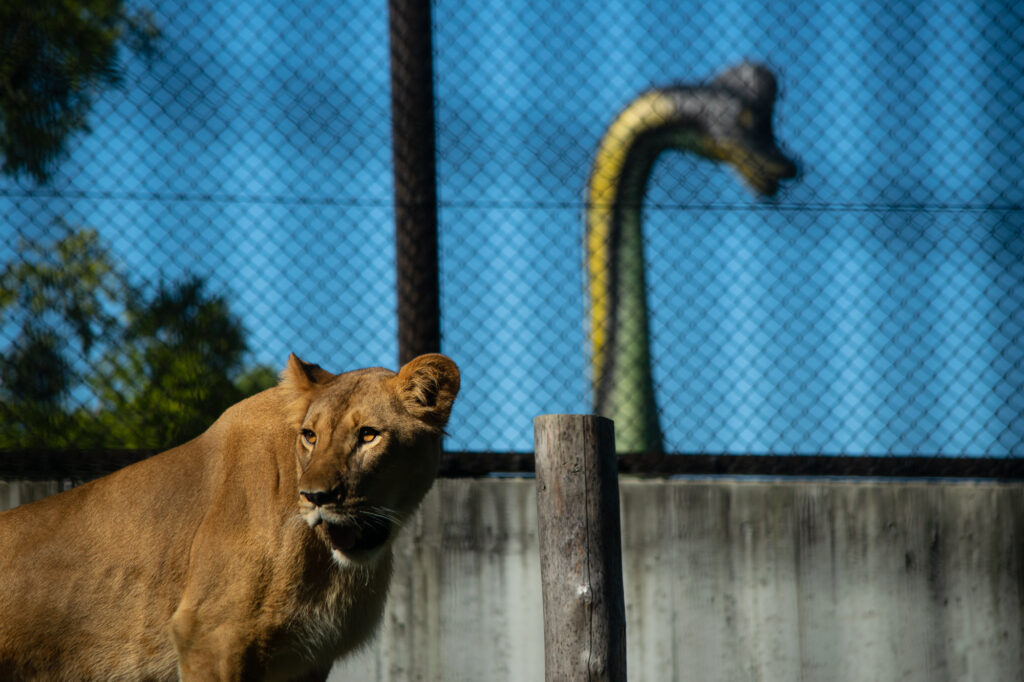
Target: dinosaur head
[738,126]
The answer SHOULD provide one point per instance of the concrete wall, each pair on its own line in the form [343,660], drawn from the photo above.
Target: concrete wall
[726,580]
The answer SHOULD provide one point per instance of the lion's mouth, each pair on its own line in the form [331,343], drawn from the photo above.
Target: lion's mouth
[361,533]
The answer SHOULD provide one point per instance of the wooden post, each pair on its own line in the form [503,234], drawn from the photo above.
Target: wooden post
[580,548]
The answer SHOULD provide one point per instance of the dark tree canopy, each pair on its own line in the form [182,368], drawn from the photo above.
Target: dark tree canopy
[56,57]
[150,370]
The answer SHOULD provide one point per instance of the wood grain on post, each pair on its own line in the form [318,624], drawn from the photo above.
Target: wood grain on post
[580,548]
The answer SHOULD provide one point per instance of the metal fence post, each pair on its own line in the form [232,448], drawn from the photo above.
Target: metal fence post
[412,139]
[580,548]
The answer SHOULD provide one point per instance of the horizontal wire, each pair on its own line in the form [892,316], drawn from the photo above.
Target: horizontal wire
[377,202]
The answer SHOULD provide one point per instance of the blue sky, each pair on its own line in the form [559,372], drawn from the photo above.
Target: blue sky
[877,306]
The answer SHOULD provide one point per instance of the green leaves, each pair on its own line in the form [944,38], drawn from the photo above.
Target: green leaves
[96,363]
[71,279]
[56,58]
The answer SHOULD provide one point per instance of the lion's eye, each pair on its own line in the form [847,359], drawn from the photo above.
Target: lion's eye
[367,434]
[309,436]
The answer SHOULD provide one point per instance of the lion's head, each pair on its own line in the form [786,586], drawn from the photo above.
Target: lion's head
[367,445]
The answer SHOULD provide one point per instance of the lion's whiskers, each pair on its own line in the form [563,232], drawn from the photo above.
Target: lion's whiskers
[384,513]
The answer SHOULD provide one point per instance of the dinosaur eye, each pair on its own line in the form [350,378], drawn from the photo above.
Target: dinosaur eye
[367,434]
[309,437]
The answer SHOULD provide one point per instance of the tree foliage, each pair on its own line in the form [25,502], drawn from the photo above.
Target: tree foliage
[56,57]
[96,363]
[172,375]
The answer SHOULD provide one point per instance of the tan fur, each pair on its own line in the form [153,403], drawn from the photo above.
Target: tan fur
[206,562]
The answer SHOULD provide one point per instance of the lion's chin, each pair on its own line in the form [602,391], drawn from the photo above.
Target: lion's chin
[353,538]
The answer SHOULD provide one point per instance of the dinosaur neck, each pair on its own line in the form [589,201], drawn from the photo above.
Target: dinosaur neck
[621,363]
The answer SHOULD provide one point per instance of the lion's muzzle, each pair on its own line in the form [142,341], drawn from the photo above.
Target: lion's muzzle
[350,531]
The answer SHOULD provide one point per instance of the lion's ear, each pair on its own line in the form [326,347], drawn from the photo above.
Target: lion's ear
[298,381]
[428,386]
[300,376]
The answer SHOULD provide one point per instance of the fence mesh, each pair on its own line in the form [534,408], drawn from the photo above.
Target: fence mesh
[233,202]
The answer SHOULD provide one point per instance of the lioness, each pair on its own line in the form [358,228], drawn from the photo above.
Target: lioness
[260,550]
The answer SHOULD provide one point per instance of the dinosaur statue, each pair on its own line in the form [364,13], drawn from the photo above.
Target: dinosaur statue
[728,119]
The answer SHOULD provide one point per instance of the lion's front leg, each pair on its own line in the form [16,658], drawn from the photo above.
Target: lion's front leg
[223,653]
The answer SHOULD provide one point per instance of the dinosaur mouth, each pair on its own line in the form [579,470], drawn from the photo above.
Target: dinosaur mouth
[358,534]
[761,167]
[763,171]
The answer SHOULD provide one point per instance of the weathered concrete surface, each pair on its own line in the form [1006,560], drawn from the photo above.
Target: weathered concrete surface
[725,580]
[465,602]
[824,580]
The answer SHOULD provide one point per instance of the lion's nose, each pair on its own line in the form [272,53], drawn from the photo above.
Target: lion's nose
[321,497]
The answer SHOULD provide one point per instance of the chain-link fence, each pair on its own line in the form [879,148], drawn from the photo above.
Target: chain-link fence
[239,180]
